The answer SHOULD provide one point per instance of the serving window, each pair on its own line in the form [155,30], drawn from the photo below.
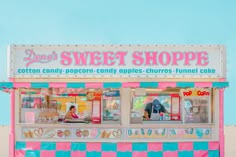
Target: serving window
[155,105]
[54,106]
[103,106]
[171,105]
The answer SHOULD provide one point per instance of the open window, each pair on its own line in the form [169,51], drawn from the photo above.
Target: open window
[53,105]
[155,106]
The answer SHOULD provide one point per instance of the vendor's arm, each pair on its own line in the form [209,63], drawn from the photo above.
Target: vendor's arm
[68,115]
[163,109]
[147,111]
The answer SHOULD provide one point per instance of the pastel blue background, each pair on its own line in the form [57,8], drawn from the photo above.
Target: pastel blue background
[119,22]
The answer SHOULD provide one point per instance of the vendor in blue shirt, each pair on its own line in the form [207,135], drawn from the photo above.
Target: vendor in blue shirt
[152,110]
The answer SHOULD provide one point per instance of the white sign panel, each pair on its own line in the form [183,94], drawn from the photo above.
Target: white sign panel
[106,61]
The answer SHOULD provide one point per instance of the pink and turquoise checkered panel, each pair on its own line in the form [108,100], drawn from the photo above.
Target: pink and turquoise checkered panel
[122,149]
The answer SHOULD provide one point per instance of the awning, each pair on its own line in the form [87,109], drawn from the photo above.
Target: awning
[15,85]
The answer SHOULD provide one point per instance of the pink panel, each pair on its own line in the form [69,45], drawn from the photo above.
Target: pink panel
[12,79]
[46,153]
[57,85]
[124,147]
[203,84]
[93,146]
[139,154]
[170,154]
[213,145]
[33,146]
[155,146]
[63,146]
[108,154]
[21,84]
[221,126]
[12,128]
[94,85]
[29,117]
[19,153]
[164,85]
[222,79]
[185,146]
[130,84]
[78,154]
[200,154]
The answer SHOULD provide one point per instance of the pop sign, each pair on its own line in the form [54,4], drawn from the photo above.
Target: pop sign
[194,92]
[82,61]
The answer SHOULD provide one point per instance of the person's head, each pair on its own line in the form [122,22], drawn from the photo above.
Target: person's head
[72,108]
[156,104]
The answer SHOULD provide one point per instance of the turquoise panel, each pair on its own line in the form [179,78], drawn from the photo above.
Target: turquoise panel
[40,85]
[112,85]
[75,85]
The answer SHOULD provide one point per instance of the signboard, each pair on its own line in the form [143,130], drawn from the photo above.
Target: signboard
[195,92]
[107,61]
[190,133]
[71,133]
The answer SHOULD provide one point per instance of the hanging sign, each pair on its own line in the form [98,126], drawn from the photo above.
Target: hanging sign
[194,92]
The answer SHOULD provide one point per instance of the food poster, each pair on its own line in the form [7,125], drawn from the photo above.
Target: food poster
[190,133]
[146,133]
[32,100]
[111,133]
[86,133]
[196,110]
[140,102]
[111,105]
[38,133]
[111,109]
[71,133]
[77,133]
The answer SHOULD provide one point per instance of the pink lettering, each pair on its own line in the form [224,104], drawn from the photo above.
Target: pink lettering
[187,93]
[137,58]
[177,56]
[203,93]
[66,59]
[121,55]
[164,58]
[80,57]
[151,56]
[202,58]
[95,58]
[32,57]
[108,56]
[30,54]
[189,56]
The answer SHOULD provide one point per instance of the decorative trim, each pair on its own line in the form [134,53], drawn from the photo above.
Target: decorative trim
[9,85]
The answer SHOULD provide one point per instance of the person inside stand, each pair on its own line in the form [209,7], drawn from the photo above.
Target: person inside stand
[152,110]
[71,114]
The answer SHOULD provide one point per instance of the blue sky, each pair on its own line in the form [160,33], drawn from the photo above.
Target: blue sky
[119,22]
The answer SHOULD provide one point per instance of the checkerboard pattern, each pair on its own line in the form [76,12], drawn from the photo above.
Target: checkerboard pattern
[124,149]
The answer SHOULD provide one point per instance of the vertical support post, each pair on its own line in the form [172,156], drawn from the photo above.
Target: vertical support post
[221,129]
[12,128]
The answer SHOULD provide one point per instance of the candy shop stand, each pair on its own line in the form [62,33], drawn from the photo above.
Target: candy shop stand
[122,100]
